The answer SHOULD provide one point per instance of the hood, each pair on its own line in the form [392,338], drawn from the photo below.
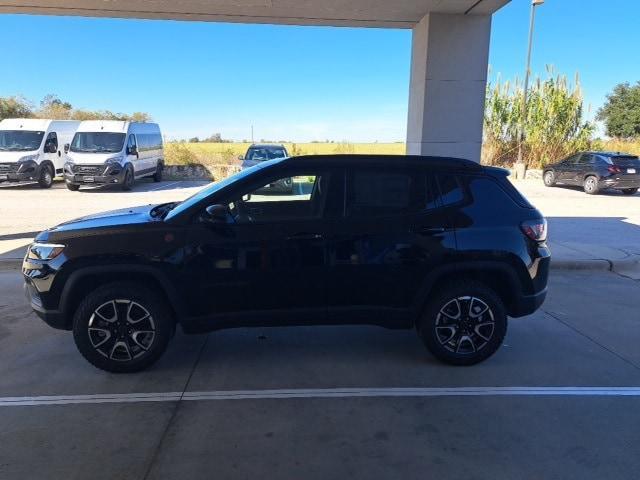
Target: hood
[113,219]
[90,158]
[13,157]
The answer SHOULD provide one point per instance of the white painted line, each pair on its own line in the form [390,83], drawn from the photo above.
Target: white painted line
[320,393]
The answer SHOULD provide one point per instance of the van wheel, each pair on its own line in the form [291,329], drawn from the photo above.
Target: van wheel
[629,191]
[157,177]
[45,180]
[127,183]
[72,186]
[122,327]
[465,323]
[591,185]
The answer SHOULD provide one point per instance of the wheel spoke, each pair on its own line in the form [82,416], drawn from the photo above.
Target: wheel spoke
[122,347]
[145,345]
[452,316]
[102,335]
[477,308]
[468,340]
[451,329]
[485,325]
[111,319]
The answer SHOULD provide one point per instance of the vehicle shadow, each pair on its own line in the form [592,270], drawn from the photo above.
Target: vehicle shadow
[607,191]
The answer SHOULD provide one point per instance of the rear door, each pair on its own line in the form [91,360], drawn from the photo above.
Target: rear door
[565,169]
[583,166]
[390,236]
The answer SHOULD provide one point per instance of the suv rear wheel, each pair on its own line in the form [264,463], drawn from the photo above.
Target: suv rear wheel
[465,323]
[591,185]
[122,327]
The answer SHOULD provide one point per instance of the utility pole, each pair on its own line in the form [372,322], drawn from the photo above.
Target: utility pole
[520,166]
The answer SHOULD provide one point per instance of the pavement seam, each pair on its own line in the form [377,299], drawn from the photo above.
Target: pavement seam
[613,352]
[158,448]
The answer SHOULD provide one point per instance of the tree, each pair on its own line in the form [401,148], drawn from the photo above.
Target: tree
[14,107]
[621,112]
[52,107]
[194,140]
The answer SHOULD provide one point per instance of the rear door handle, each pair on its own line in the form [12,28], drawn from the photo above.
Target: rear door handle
[305,236]
[428,230]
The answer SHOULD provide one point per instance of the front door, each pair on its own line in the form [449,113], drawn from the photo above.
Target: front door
[392,234]
[267,262]
[134,158]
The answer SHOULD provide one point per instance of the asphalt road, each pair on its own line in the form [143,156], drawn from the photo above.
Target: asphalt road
[333,402]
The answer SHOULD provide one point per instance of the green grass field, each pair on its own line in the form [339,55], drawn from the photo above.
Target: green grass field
[227,153]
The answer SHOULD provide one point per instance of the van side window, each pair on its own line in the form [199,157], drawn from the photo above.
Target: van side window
[52,139]
[450,189]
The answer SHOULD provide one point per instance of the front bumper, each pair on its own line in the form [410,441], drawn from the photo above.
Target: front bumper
[95,174]
[53,318]
[19,172]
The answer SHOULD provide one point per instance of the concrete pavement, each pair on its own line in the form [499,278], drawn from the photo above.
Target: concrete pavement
[568,343]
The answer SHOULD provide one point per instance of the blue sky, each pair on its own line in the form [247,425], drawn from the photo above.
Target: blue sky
[300,83]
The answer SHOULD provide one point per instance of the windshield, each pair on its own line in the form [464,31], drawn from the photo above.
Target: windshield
[260,154]
[97,142]
[20,140]
[215,187]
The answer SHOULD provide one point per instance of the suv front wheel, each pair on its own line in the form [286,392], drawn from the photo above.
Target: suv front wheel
[122,327]
[464,324]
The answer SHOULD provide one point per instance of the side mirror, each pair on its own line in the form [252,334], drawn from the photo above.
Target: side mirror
[66,148]
[246,197]
[218,213]
[240,157]
[132,151]
[50,148]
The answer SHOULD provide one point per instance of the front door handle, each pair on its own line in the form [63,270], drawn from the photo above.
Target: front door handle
[305,236]
[428,230]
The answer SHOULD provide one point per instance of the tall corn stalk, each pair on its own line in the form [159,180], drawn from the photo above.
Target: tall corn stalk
[554,126]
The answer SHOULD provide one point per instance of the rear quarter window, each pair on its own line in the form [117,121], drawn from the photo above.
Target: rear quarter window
[496,192]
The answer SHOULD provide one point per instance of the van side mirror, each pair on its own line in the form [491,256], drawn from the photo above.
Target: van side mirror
[132,151]
[50,148]
[240,157]
[218,213]
[66,148]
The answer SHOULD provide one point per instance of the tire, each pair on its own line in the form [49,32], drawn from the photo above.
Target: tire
[45,180]
[549,178]
[127,183]
[629,191]
[590,185]
[115,311]
[468,340]
[157,177]
[73,187]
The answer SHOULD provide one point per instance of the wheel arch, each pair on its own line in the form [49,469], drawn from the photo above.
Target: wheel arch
[87,279]
[498,276]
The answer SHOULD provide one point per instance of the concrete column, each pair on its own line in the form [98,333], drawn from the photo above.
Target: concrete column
[449,60]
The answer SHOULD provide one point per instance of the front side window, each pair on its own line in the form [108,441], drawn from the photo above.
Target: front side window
[131,143]
[20,140]
[52,140]
[97,142]
[285,198]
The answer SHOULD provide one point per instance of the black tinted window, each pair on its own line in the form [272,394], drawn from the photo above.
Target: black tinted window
[450,189]
[375,192]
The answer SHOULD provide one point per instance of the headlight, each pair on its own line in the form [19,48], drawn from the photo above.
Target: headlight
[28,158]
[112,160]
[68,166]
[44,251]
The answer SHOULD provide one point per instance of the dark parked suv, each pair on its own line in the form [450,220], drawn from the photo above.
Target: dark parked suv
[594,171]
[443,245]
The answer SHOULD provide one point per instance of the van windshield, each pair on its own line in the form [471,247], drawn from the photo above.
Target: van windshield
[97,142]
[20,140]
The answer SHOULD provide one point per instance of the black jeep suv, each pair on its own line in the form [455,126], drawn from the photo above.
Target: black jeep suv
[594,171]
[443,245]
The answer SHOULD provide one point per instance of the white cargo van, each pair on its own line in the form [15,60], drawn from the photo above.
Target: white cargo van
[32,150]
[114,153]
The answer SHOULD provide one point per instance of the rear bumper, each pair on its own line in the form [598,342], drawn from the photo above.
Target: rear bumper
[527,304]
[620,183]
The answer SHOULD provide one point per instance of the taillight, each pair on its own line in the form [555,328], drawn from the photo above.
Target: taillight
[536,230]
[614,169]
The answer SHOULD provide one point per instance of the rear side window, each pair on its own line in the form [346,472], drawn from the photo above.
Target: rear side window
[450,189]
[377,192]
[496,191]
